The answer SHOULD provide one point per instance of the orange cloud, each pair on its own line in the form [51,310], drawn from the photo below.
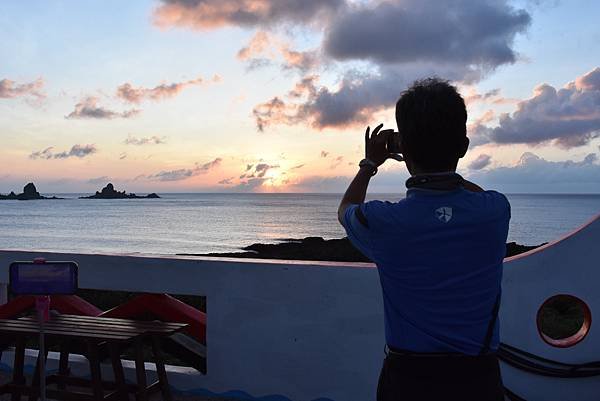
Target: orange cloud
[184,173]
[318,107]
[10,89]
[131,94]
[212,14]
[79,151]
[258,44]
[262,45]
[89,108]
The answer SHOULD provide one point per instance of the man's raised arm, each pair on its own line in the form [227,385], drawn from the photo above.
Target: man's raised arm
[376,154]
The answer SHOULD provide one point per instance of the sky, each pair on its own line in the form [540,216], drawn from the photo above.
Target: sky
[275,95]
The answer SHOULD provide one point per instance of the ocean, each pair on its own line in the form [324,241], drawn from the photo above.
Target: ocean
[199,223]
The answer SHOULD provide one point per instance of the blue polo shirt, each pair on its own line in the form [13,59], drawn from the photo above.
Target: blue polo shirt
[439,256]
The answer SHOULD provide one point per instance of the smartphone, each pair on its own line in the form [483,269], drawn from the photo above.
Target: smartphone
[393,143]
[48,278]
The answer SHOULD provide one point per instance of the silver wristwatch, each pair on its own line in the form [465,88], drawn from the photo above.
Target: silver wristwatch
[368,163]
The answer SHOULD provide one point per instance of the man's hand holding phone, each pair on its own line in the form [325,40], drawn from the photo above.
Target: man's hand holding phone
[382,145]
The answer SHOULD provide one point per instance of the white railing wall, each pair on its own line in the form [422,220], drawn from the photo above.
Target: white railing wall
[300,330]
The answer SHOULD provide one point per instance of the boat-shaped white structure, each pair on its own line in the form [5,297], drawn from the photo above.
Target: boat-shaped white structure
[308,331]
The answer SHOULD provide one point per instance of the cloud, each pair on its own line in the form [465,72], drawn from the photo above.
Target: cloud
[33,90]
[336,162]
[262,168]
[99,180]
[257,171]
[474,97]
[492,96]
[135,95]
[249,185]
[482,161]
[185,173]
[209,165]
[172,175]
[400,42]
[78,151]
[253,177]
[212,14]
[314,183]
[151,140]
[395,43]
[589,81]
[533,173]
[569,116]
[299,166]
[473,33]
[300,60]
[354,102]
[42,154]
[263,49]
[272,112]
[259,44]
[10,89]
[486,117]
[122,156]
[530,174]
[88,108]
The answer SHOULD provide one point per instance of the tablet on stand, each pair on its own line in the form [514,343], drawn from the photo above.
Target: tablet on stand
[42,279]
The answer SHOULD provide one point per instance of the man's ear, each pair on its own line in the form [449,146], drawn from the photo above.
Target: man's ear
[464,147]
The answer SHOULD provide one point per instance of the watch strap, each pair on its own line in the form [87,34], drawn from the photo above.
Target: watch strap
[368,163]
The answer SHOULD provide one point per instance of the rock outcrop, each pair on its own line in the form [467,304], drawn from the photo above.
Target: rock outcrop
[30,192]
[109,192]
[317,248]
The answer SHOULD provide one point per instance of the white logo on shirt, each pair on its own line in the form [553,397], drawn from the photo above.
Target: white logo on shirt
[444,213]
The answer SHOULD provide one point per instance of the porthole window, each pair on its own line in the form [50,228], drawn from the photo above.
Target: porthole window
[563,320]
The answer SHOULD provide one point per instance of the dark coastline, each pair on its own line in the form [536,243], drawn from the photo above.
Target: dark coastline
[317,248]
[29,193]
[109,192]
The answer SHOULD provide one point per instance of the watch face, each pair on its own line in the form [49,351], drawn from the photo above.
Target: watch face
[370,164]
[366,162]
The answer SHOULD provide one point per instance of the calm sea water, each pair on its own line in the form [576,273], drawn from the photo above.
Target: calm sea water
[197,223]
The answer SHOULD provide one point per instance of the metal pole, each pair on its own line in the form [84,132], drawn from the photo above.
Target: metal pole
[42,359]
[3,293]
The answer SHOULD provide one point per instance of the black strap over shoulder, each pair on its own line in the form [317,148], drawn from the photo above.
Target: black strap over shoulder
[490,330]
[441,182]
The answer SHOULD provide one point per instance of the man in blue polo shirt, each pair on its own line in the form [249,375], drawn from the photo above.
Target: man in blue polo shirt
[439,254]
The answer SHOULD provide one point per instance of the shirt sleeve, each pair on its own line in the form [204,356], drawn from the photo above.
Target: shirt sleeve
[357,228]
[503,203]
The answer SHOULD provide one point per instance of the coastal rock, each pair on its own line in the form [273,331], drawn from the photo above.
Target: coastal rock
[109,192]
[317,248]
[30,192]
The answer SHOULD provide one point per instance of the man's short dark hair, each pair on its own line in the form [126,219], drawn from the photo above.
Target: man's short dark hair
[432,119]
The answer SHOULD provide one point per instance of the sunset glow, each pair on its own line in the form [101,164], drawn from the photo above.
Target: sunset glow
[189,96]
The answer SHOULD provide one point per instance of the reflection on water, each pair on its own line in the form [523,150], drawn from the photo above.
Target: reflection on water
[194,223]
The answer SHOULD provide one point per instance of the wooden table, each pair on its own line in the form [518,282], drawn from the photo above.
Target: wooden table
[94,333]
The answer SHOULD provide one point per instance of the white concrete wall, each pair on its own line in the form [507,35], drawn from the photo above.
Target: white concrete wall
[298,329]
[571,266]
[314,330]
